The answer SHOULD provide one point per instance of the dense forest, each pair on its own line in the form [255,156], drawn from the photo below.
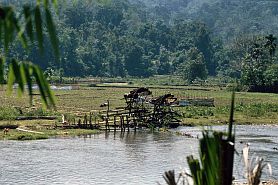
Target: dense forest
[141,38]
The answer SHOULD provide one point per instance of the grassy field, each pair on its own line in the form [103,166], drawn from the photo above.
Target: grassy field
[45,134]
[250,108]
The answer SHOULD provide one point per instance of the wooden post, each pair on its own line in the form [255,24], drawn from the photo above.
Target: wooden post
[107,124]
[127,122]
[121,123]
[134,123]
[108,108]
[90,121]
[95,122]
[115,124]
[124,124]
[85,121]
[79,123]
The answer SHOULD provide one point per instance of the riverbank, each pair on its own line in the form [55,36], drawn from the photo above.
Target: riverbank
[38,129]
[46,134]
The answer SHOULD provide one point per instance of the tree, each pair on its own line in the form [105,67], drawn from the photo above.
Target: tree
[26,26]
[164,66]
[270,44]
[271,75]
[258,66]
[134,60]
[194,67]
[110,16]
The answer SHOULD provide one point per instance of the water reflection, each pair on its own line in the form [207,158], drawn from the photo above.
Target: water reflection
[116,158]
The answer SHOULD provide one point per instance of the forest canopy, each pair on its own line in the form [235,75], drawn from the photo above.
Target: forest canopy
[141,38]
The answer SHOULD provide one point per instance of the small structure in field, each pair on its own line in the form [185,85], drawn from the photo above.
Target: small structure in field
[141,110]
[163,114]
[151,112]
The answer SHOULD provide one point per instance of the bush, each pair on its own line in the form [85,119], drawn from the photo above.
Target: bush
[8,113]
[195,112]
[39,112]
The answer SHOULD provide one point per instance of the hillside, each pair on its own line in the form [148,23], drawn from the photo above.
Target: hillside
[194,39]
[225,18]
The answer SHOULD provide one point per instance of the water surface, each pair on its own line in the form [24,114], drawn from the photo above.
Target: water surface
[115,158]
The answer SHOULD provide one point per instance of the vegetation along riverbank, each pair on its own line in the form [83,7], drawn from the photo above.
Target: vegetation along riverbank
[85,98]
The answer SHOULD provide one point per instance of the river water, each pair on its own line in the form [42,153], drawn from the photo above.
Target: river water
[115,158]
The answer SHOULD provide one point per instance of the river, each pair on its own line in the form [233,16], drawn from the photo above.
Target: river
[115,158]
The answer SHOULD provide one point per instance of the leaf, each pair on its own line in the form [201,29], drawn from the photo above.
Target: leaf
[20,32]
[29,24]
[46,3]
[8,31]
[28,71]
[18,76]
[52,32]
[55,3]
[38,23]
[47,89]
[44,88]
[39,82]
[195,169]
[11,78]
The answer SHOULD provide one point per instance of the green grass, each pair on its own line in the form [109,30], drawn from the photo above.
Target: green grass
[8,113]
[21,136]
[250,108]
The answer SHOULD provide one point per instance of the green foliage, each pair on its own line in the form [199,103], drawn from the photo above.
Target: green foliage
[196,112]
[259,109]
[255,110]
[27,136]
[11,113]
[16,24]
[216,149]
[271,75]
[227,19]
[117,38]
[258,68]
[8,113]
[194,67]
[207,170]
[39,112]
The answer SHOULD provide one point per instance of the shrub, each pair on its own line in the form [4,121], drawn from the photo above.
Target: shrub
[8,113]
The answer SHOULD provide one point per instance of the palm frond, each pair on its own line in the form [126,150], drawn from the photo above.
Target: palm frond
[24,29]
[21,73]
